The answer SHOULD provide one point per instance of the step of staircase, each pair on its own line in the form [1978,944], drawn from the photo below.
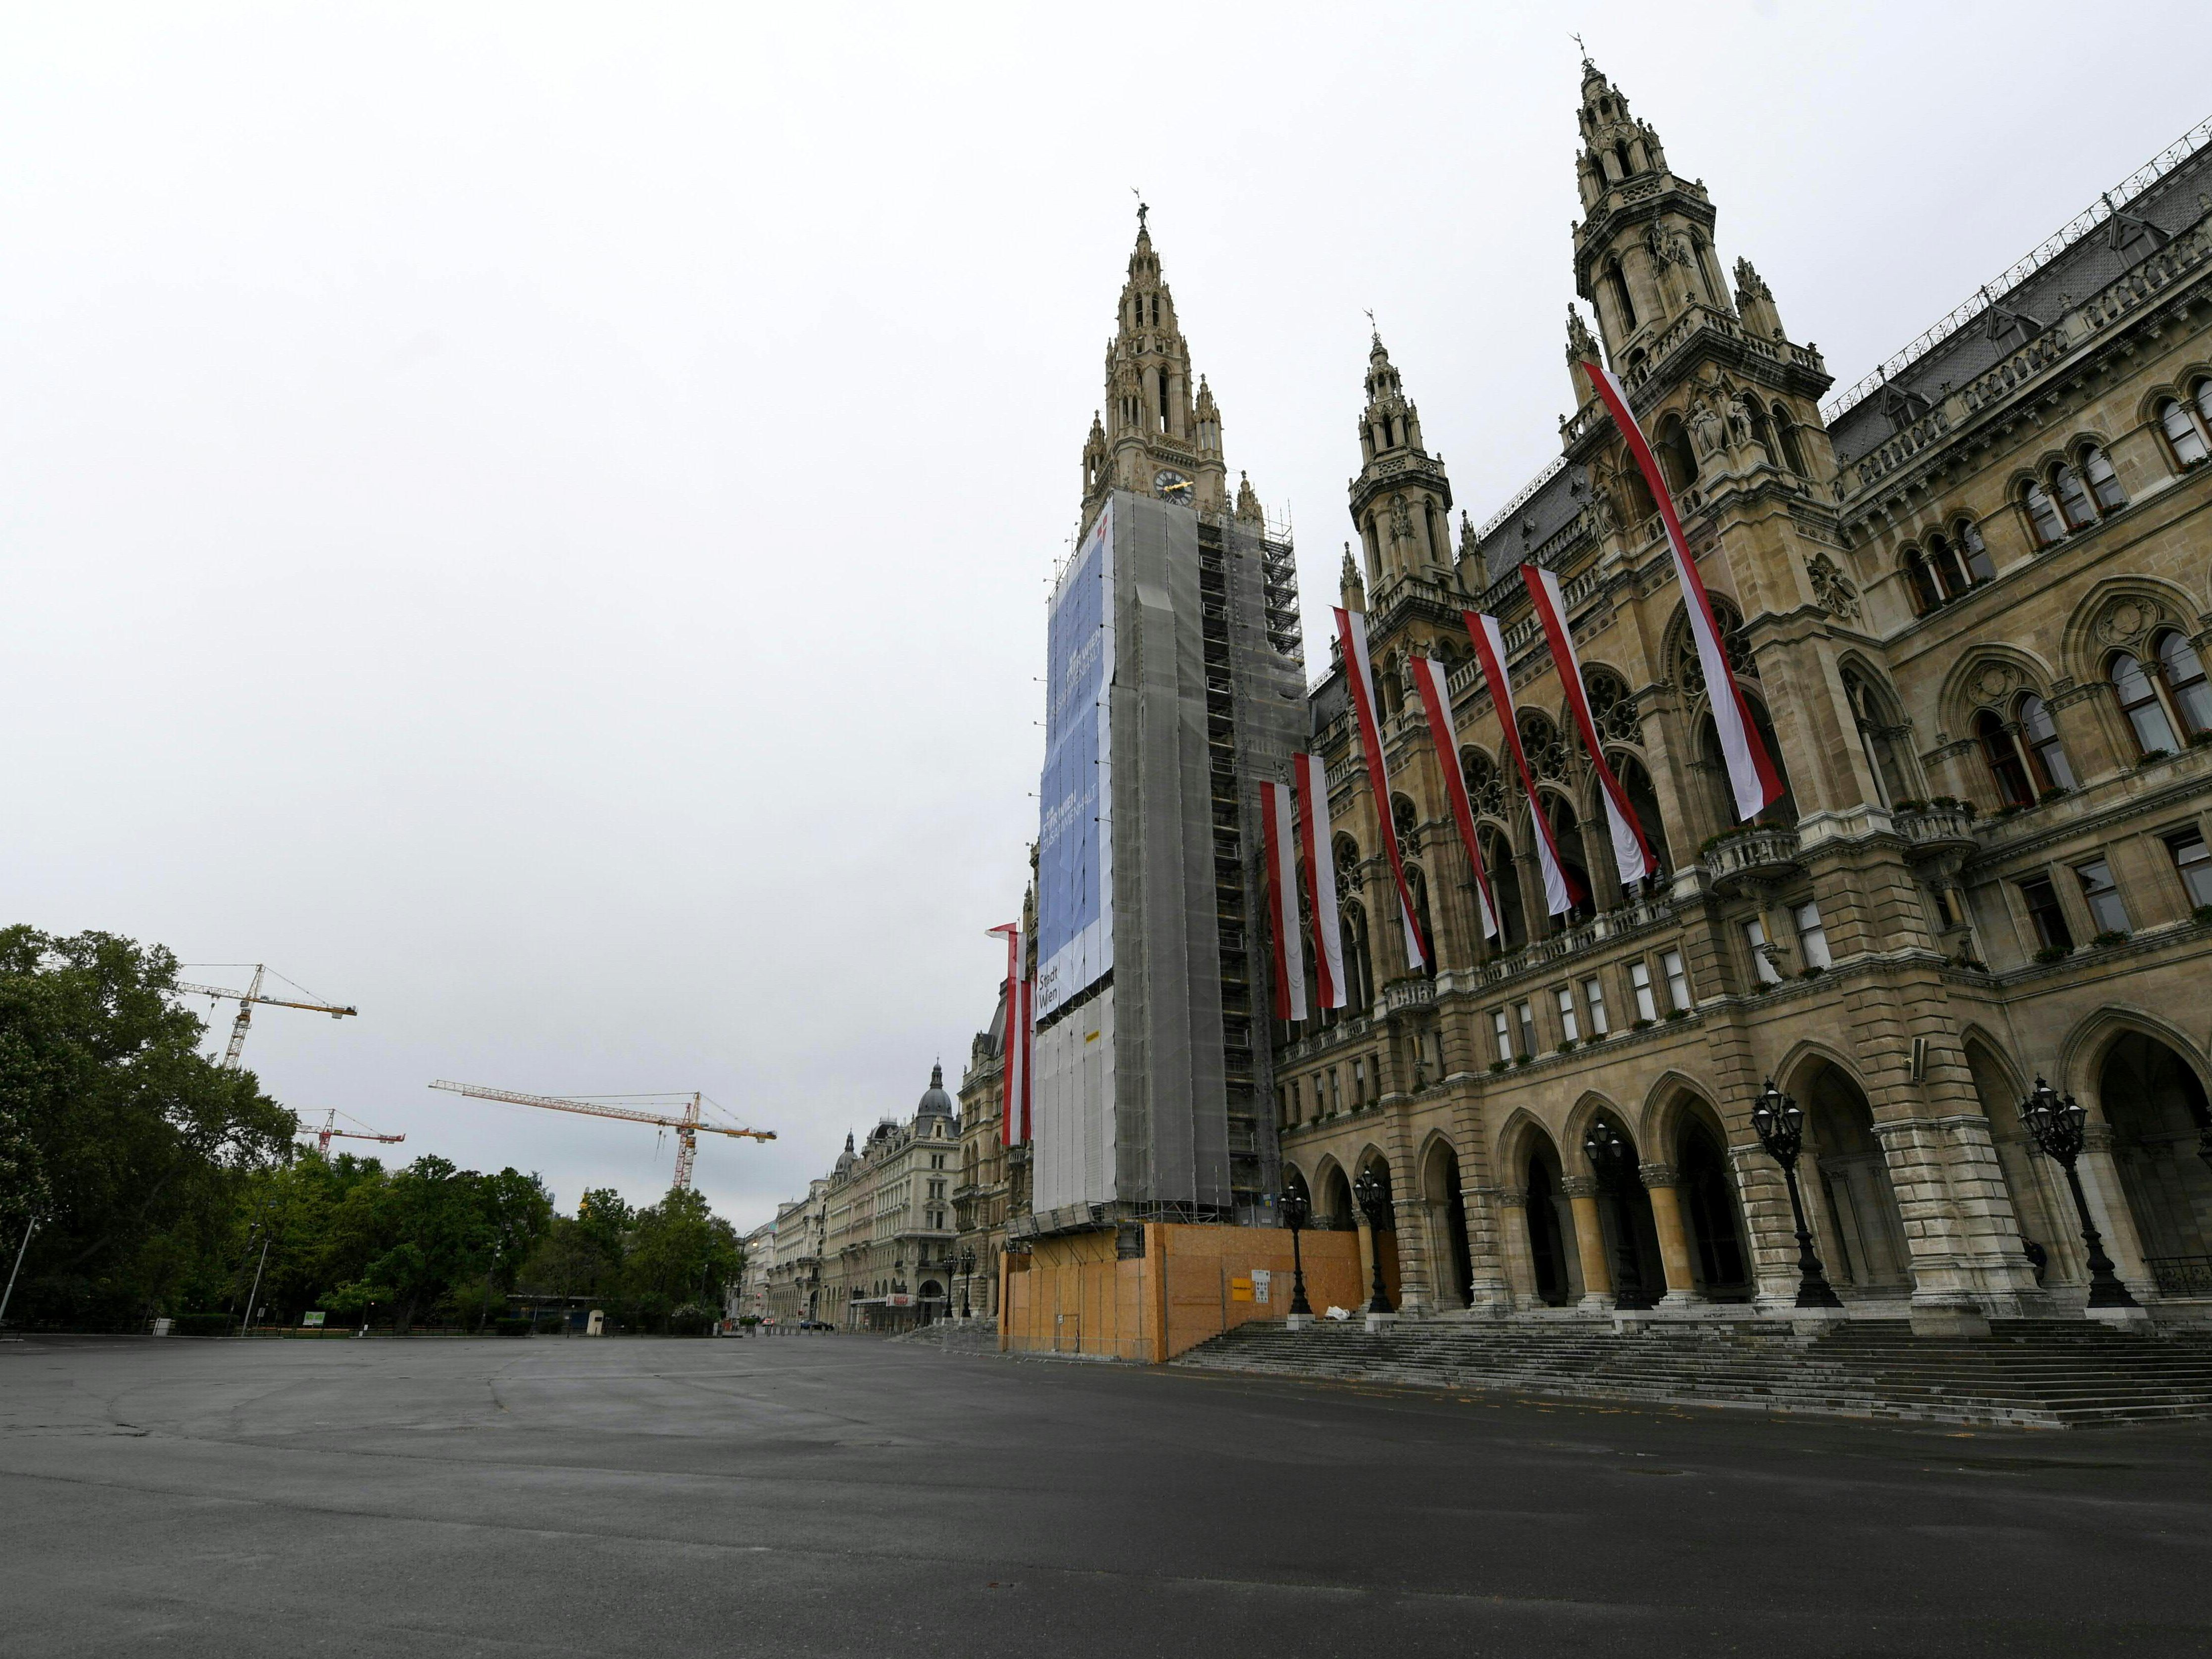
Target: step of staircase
[2045,1373]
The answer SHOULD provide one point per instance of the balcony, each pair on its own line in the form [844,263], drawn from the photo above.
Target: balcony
[1758,856]
[1403,995]
[1932,829]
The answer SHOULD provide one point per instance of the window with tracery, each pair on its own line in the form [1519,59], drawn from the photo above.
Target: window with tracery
[1613,710]
[1485,787]
[1540,742]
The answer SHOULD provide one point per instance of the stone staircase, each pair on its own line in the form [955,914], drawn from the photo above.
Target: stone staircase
[2041,1373]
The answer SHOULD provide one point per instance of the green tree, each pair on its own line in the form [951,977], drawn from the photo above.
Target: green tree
[681,1255]
[139,1147]
[442,1236]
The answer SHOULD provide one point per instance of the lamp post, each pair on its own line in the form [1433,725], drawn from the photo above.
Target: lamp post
[1780,1125]
[1613,1160]
[1295,1209]
[1371,1193]
[967,1272]
[2059,1127]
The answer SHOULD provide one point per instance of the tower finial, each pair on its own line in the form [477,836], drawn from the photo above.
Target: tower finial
[1142,209]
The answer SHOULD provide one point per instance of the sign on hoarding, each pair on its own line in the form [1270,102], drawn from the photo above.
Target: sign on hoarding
[1075,838]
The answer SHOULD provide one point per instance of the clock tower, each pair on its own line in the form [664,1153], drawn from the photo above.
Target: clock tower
[1158,435]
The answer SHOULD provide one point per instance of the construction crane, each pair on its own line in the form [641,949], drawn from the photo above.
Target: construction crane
[689,1126]
[330,1131]
[246,999]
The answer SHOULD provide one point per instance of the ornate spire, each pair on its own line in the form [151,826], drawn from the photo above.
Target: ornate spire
[1248,502]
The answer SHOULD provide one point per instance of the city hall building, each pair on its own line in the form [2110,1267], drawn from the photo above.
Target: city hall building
[1967,604]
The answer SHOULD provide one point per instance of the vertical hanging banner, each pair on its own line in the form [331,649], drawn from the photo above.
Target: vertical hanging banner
[1752,776]
[1279,821]
[1431,676]
[1351,632]
[1014,1076]
[1075,828]
[1310,776]
[1630,852]
[1560,893]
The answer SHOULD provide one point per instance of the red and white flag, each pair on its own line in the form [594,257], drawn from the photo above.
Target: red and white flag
[1014,1113]
[1278,820]
[1561,891]
[1429,676]
[1630,852]
[1351,632]
[1751,776]
[1310,775]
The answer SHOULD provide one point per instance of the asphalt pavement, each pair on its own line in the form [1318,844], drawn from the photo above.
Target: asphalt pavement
[844,1495]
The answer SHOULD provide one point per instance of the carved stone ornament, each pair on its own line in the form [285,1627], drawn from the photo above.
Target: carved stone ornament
[1835,591]
[1992,684]
[2126,621]
[1401,522]
[1739,420]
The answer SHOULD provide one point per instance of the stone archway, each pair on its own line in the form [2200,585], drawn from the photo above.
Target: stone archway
[1332,1199]
[1600,1218]
[2155,1103]
[1383,1240]
[1553,1263]
[1447,1215]
[1862,1239]
[2050,1236]
[1713,1216]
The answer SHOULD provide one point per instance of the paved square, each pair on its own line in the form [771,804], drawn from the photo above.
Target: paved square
[840,1495]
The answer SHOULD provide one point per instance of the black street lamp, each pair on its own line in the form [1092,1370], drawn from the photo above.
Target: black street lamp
[1295,1209]
[1371,1193]
[967,1272]
[1613,1160]
[1780,1125]
[2059,1128]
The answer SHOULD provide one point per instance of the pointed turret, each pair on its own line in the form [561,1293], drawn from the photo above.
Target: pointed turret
[1159,436]
[1754,302]
[1351,591]
[1248,511]
[1402,500]
[1643,255]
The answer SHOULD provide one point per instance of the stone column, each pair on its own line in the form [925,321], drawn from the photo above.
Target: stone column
[1511,1205]
[1660,1180]
[1769,1225]
[1589,1241]
[1944,1283]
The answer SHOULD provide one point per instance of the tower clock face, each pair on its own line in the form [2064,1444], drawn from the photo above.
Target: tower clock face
[1170,485]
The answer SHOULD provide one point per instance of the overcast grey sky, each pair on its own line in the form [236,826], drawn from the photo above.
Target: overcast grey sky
[535,522]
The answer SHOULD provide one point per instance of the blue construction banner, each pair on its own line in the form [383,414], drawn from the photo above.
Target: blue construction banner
[1075,835]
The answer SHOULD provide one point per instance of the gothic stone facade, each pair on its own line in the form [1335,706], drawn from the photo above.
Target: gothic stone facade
[1969,606]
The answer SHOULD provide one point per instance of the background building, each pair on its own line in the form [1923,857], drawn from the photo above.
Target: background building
[886,1254]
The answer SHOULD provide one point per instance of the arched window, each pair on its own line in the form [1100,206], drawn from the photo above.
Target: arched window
[2104,483]
[1567,836]
[2008,762]
[1921,579]
[1761,433]
[2181,433]
[2080,511]
[1870,713]
[1539,743]
[1635,784]
[1405,817]
[1358,963]
[1619,284]
[2139,702]
[1785,432]
[2042,515]
[1620,155]
[1613,710]
[1676,460]
[1505,887]
[1642,508]
[2185,681]
[1418,886]
[1979,564]
[1950,569]
[2045,754]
